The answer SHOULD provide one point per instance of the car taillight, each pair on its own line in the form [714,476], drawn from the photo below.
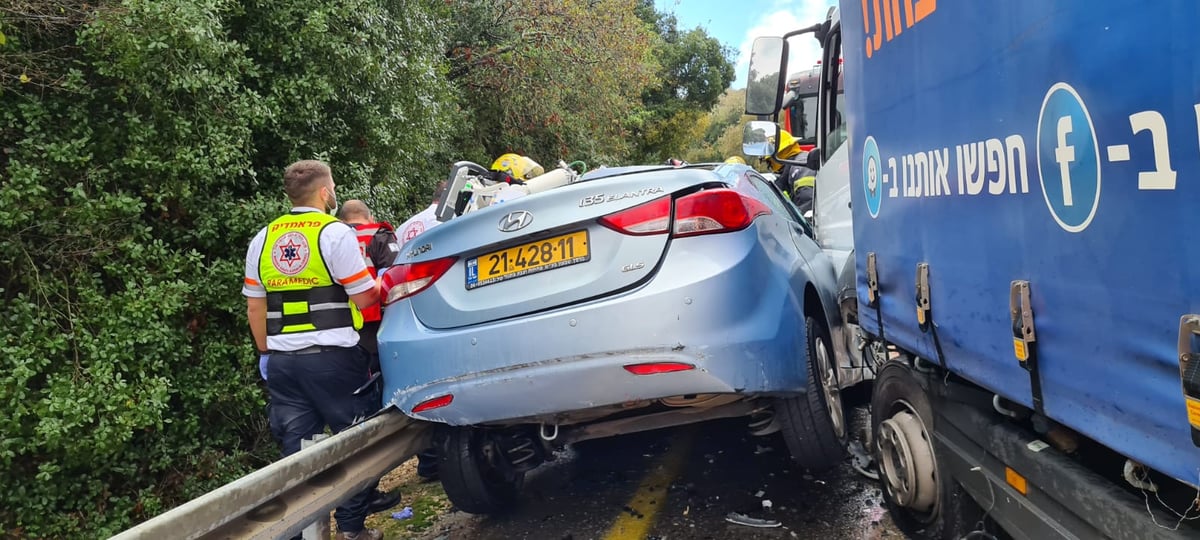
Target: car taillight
[653,217]
[404,280]
[654,368]
[715,210]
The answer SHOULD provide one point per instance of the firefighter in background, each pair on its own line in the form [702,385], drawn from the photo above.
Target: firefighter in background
[515,166]
[735,160]
[795,181]
[803,189]
[508,168]
[513,169]
[378,246]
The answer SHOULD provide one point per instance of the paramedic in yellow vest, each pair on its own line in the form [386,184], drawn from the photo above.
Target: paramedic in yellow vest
[305,282]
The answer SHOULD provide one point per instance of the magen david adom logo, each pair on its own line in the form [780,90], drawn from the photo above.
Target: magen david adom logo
[289,254]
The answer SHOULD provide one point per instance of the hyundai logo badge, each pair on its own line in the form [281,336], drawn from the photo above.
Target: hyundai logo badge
[515,221]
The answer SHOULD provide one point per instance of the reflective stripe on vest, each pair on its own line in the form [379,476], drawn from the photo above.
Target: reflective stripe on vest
[366,233]
[302,295]
[804,181]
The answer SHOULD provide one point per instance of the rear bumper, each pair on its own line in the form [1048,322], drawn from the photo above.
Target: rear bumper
[738,320]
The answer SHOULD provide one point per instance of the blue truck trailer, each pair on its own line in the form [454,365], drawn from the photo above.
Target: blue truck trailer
[1024,184]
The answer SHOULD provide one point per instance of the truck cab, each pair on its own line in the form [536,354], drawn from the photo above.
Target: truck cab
[799,114]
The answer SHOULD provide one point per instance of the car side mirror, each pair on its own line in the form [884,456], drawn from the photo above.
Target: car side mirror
[813,159]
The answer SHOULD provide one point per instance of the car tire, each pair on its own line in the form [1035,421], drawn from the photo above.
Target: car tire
[473,479]
[806,421]
[952,513]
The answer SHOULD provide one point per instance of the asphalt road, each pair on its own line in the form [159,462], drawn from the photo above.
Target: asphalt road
[683,483]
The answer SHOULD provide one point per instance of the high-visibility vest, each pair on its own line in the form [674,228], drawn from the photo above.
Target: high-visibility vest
[366,232]
[302,296]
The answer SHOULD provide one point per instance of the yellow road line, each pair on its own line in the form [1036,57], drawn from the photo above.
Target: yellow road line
[637,517]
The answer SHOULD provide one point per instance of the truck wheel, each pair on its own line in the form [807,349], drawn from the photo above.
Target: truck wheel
[814,424]
[925,501]
[473,474]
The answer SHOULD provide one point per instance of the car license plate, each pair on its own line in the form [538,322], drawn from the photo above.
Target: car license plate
[527,259]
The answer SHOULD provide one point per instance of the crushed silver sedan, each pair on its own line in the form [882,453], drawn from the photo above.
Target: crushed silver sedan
[622,300]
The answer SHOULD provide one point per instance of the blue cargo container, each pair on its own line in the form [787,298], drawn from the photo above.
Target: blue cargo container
[1049,142]
[1024,179]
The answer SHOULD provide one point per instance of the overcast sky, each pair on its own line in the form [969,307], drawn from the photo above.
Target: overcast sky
[737,22]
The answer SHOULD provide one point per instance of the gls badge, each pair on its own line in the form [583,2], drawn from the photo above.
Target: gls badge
[515,221]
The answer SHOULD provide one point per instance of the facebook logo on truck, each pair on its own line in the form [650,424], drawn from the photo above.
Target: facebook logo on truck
[1068,158]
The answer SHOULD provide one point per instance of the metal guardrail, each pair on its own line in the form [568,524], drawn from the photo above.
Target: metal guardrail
[279,500]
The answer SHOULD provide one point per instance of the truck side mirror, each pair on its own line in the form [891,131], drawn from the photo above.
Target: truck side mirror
[758,138]
[764,85]
[813,159]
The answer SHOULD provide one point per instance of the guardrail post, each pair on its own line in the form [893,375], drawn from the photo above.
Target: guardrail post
[319,529]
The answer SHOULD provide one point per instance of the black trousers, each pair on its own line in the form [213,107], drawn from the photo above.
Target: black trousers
[311,391]
[368,339]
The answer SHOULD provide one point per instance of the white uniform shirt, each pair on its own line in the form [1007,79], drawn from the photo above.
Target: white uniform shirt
[420,222]
[339,249]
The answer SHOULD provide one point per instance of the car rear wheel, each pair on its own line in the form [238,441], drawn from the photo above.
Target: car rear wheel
[814,424]
[475,475]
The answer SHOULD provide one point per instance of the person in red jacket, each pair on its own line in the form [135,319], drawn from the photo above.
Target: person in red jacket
[378,247]
[377,243]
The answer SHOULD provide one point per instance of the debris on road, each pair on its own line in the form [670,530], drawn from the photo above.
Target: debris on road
[760,450]
[407,513]
[766,504]
[862,462]
[704,501]
[743,519]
